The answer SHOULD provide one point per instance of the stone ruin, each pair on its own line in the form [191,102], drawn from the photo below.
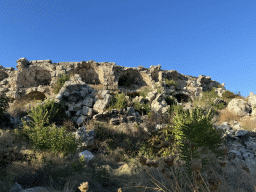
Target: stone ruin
[83,101]
[40,75]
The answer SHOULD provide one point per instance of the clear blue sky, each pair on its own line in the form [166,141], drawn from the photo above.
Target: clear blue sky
[215,38]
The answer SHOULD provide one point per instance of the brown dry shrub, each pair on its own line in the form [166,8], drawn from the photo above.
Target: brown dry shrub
[69,124]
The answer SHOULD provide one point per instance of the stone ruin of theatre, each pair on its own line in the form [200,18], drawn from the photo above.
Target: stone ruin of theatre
[40,75]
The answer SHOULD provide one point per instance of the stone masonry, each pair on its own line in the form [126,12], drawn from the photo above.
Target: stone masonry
[40,75]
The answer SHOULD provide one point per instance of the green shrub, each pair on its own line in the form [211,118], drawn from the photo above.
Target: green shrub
[158,88]
[41,135]
[51,138]
[60,82]
[3,105]
[220,106]
[219,86]
[78,164]
[208,97]
[118,101]
[228,94]
[195,129]
[145,92]
[46,114]
[170,83]
[159,144]
[170,100]
[142,108]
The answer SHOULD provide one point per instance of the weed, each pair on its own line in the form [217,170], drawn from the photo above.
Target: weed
[158,88]
[170,83]
[118,101]
[159,144]
[142,108]
[78,164]
[145,92]
[46,114]
[60,82]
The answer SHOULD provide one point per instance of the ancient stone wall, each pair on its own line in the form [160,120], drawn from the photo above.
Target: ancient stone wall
[40,75]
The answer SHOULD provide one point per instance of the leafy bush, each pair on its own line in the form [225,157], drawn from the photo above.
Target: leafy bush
[3,105]
[41,135]
[118,101]
[142,108]
[219,86]
[194,130]
[170,83]
[228,94]
[159,144]
[60,82]
[46,114]
[51,138]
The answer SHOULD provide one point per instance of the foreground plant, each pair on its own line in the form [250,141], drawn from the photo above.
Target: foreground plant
[40,134]
[193,131]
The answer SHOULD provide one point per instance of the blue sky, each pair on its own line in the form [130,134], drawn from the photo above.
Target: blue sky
[195,37]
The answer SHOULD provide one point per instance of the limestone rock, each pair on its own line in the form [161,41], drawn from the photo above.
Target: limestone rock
[239,107]
[241,145]
[101,105]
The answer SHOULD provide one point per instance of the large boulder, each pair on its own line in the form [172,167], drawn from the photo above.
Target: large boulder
[239,107]
[102,104]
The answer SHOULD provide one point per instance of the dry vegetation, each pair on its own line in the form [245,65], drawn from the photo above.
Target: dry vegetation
[116,166]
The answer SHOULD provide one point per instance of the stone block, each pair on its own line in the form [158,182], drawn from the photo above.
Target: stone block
[78,106]
[101,105]
[53,74]
[88,102]
[88,156]
[66,94]
[81,119]
[87,111]
[59,67]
